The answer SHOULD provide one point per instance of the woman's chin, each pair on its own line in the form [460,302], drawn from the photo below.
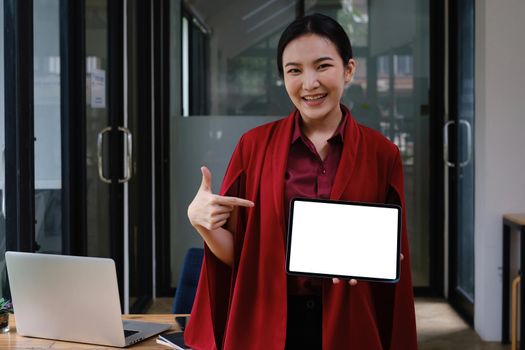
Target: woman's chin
[315,113]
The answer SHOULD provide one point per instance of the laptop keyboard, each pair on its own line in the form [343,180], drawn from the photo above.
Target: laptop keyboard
[128,332]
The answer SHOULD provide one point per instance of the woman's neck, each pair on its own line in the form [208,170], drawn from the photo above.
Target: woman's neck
[320,131]
[320,128]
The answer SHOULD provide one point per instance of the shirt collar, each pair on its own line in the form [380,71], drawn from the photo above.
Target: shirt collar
[338,133]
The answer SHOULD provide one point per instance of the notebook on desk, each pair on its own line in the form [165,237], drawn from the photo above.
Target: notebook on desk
[71,298]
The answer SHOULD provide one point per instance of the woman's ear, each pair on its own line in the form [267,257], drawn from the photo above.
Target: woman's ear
[350,70]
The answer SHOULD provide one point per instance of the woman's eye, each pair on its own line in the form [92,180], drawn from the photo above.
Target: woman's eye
[324,66]
[293,71]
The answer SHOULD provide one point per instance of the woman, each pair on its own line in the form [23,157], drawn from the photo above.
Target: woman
[245,300]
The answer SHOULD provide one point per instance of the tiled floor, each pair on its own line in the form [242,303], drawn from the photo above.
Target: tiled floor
[438,327]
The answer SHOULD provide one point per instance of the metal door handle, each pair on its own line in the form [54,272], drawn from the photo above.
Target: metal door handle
[445,143]
[129,154]
[100,138]
[469,143]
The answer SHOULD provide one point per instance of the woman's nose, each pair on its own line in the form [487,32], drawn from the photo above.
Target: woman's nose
[310,81]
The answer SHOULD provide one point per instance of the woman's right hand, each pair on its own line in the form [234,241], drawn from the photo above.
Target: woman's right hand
[211,211]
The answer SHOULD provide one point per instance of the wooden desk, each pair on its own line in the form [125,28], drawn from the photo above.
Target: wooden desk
[512,222]
[12,340]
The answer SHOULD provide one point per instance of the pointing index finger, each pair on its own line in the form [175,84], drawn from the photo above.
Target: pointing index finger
[225,200]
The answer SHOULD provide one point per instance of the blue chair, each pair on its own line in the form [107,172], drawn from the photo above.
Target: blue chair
[188,280]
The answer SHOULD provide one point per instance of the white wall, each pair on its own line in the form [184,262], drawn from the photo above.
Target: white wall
[500,146]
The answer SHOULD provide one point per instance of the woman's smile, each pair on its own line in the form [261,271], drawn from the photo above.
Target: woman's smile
[314,100]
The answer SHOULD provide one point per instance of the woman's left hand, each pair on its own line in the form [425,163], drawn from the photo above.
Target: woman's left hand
[353,282]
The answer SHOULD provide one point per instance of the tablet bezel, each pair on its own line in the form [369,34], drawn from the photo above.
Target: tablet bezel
[316,274]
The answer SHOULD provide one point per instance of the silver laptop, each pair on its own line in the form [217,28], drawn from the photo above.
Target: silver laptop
[71,298]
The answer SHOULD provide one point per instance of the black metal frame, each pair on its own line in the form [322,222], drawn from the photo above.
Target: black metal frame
[161,66]
[198,47]
[141,190]
[199,86]
[73,129]
[115,84]
[461,304]
[299,9]
[505,280]
[437,115]
[19,125]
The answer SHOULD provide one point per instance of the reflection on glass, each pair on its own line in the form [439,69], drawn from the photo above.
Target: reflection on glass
[98,236]
[3,276]
[48,178]
[391,44]
[232,50]
[465,192]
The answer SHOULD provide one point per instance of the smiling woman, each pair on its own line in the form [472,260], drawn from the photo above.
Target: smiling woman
[318,151]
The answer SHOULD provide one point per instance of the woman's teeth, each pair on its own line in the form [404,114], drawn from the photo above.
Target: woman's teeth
[313,98]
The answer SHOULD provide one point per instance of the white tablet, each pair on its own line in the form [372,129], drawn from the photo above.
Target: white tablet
[344,239]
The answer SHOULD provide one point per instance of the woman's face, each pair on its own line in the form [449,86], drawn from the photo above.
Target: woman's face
[315,77]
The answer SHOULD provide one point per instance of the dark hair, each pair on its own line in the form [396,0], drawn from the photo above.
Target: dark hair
[318,24]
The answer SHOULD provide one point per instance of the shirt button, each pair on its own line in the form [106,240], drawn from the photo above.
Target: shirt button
[324,171]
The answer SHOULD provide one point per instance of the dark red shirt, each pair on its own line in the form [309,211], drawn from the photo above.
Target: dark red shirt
[309,176]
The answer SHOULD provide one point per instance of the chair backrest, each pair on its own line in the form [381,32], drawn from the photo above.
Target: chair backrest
[188,280]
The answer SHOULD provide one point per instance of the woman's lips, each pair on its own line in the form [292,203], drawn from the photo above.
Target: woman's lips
[314,100]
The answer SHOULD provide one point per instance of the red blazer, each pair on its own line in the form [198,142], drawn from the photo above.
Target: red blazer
[244,307]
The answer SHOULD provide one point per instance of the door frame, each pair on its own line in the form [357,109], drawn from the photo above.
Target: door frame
[73,133]
[437,114]
[19,126]
[460,302]
[161,136]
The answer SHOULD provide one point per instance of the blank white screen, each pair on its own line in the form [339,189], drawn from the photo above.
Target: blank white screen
[345,240]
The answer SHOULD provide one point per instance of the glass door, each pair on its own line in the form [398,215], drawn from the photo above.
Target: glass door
[47,99]
[104,225]
[119,143]
[459,157]
[106,137]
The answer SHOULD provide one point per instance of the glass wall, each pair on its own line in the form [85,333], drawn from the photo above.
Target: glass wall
[230,56]
[48,176]
[389,93]
[98,235]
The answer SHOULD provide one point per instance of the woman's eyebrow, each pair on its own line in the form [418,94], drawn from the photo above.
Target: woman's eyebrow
[320,59]
[291,64]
